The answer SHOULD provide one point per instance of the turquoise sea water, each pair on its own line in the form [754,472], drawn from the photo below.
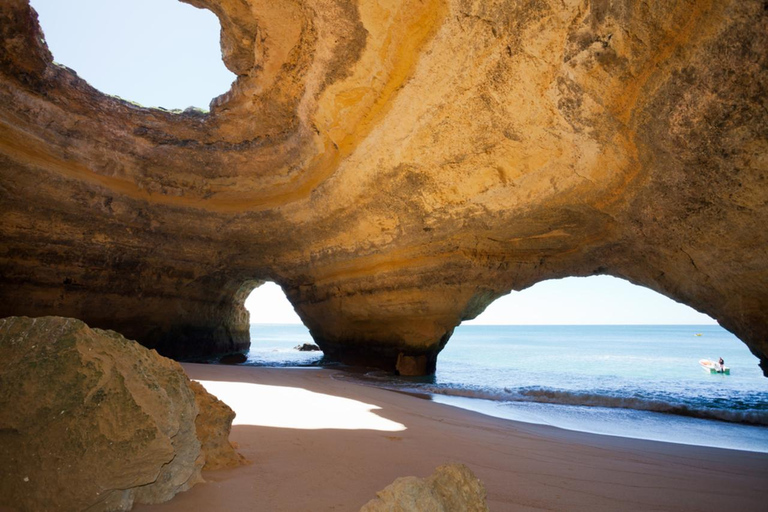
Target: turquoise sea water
[633,381]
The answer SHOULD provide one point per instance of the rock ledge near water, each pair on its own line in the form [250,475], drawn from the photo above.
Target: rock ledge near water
[307,347]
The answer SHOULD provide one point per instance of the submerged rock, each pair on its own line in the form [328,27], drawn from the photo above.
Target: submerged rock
[307,347]
[92,420]
[451,488]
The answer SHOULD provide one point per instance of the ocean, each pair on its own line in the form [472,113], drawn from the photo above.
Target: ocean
[638,381]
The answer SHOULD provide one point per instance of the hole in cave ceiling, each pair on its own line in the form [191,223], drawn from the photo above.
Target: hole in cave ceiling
[156,53]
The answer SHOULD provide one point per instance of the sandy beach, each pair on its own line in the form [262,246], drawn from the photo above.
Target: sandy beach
[320,443]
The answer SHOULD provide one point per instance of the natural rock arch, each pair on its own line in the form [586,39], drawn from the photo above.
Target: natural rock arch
[395,169]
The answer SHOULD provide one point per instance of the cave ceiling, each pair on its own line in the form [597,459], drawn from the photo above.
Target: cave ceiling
[395,166]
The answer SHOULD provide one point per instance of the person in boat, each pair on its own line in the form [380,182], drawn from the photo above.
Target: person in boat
[721,363]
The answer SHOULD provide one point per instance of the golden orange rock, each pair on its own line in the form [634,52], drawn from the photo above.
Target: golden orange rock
[395,166]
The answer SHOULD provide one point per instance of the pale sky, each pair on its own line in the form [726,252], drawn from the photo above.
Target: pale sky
[167,54]
[571,301]
[158,53]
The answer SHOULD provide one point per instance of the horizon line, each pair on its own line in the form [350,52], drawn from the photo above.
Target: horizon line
[524,325]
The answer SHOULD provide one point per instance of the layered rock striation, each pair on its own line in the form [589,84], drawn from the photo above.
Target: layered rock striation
[395,166]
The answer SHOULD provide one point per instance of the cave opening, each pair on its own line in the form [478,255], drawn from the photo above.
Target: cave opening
[595,354]
[595,300]
[602,355]
[267,304]
[125,48]
[276,330]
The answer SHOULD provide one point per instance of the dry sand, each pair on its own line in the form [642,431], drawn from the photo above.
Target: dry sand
[319,443]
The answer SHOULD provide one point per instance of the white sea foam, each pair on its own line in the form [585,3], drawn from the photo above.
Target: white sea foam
[570,375]
[560,397]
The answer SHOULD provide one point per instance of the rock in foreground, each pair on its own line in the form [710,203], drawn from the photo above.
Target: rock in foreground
[451,488]
[91,420]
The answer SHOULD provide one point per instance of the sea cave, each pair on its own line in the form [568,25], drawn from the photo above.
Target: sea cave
[395,167]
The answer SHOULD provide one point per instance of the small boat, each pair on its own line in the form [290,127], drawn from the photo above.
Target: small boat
[698,334]
[713,367]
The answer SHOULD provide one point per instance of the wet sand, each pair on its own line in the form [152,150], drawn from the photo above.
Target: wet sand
[319,443]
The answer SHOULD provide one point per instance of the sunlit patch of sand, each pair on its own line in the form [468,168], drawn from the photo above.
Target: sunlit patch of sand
[289,407]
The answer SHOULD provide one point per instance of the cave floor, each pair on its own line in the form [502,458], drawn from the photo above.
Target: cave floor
[319,443]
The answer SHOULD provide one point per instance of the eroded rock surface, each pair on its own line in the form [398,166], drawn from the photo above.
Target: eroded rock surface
[91,420]
[395,166]
[212,426]
[450,488]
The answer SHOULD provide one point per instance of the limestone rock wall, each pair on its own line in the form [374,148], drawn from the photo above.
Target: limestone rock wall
[395,165]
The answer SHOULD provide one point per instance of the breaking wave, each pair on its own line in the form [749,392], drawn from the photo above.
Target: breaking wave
[747,414]
[562,397]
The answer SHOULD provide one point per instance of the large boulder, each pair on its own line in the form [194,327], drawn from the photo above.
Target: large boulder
[91,420]
[451,488]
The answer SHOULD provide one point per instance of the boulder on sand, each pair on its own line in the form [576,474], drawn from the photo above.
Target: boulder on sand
[233,359]
[91,420]
[450,488]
